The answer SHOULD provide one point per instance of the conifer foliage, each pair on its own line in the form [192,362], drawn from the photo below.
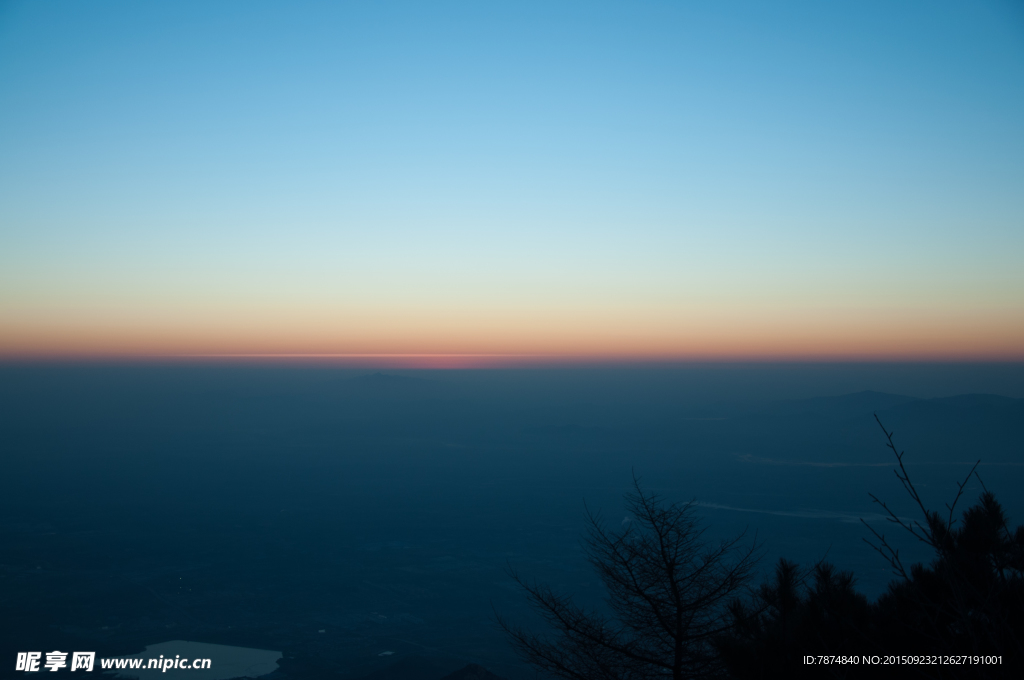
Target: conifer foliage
[969,601]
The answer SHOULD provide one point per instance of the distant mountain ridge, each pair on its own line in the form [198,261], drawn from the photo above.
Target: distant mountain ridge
[842,406]
[965,427]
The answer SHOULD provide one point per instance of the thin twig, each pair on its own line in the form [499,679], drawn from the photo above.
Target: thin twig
[960,491]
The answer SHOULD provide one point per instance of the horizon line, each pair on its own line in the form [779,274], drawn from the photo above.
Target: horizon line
[468,360]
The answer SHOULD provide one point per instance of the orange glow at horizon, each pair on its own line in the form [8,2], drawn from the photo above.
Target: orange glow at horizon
[497,339]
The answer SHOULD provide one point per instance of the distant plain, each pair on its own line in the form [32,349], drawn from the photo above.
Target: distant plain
[257,506]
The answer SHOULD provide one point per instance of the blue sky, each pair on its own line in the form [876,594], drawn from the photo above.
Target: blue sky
[433,170]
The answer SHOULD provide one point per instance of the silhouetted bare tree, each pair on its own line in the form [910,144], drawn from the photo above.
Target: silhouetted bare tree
[668,587]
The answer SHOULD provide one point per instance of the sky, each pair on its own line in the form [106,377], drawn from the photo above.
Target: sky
[513,181]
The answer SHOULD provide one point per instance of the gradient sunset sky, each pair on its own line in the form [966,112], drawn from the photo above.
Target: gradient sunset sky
[516,180]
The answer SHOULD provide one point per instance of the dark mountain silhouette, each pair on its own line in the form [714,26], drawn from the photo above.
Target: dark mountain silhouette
[962,428]
[415,667]
[430,668]
[843,406]
[472,672]
[967,427]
